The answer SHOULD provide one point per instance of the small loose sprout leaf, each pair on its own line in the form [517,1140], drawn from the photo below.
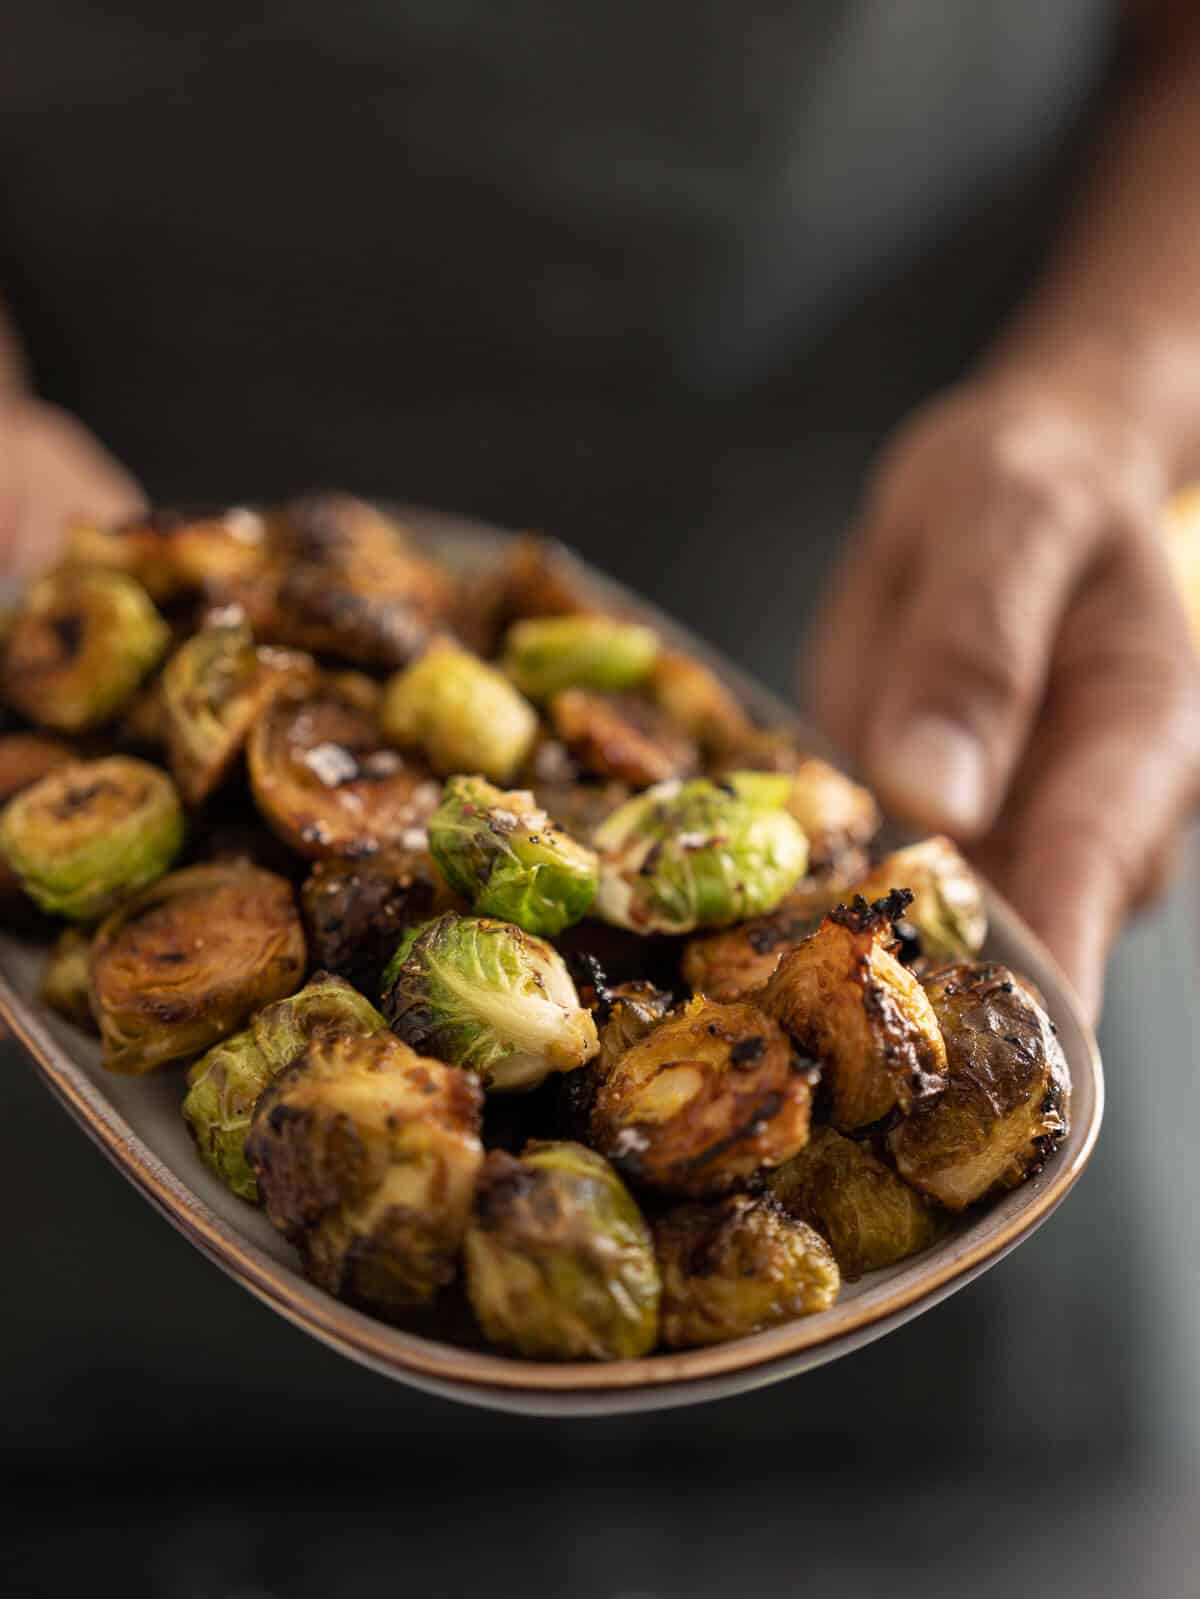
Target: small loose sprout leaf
[846,1000]
[560,1263]
[545,654]
[92,834]
[464,714]
[328,786]
[214,687]
[486,995]
[736,1268]
[705,1102]
[870,1217]
[621,737]
[1005,1107]
[696,854]
[502,852]
[224,1085]
[67,982]
[190,960]
[947,907]
[366,1157]
[80,646]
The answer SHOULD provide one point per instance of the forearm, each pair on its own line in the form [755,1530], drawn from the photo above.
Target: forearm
[1119,308]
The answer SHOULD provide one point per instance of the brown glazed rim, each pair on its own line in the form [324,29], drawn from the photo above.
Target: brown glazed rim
[392,1351]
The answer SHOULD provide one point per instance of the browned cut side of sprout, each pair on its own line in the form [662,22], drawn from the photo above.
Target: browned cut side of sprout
[846,1000]
[366,1156]
[25,758]
[348,582]
[705,1102]
[190,960]
[328,785]
[736,1268]
[1005,1108]
[947,907]
[621,737]
[214,688]
[871,1217]
[79,648]
[537,580]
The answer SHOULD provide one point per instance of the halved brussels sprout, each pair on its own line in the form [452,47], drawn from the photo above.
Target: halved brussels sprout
[736,962]
[91,834]
[464,714]
[67,980]
[503,853]
[1007,1098]
[345,580]
[328,786]
[626,1014]
[214,687]
[356,912]
[736,1268]
[844,998]
[224,1085]
[621,737]
[697,701]
[486,995]
[696,854]
[171,553]
[870,1217]
[560,1264]
[190,960]
[540,578]
[837,815]
[547,653]
[705,1102]
[947,907]
[25,758]
[80,646]
[366,1157]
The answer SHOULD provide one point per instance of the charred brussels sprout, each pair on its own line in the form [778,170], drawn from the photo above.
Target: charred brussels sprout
[464,714]
[736,1268]
[627,1013]
[487,995]
[870,1217]
[845,998]
[172,553]
[366,1157]
[837,815]
[621,737]
[560,1264]
[696,854]
[351,584]
[67,980]
[740,960]
[79,647]
[224,1085]
[190,960]
[214,687]
[1007,1094]
[25,758]
[698,703]
[947,907]
[329,787]
[545,654]
[91,834]
[540,578]
[704,1102]
[356,912]
[505,855]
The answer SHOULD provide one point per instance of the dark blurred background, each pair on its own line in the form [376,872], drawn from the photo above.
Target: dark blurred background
[658,278]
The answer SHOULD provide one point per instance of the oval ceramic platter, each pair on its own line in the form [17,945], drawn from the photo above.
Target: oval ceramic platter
[136,1122]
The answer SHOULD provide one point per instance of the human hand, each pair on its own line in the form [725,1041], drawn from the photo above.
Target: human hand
[1006,656]
[52,469]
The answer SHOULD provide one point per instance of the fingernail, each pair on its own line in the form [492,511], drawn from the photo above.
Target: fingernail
[932,772]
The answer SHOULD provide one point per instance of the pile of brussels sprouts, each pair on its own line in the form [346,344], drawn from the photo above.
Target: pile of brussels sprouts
[535,993]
